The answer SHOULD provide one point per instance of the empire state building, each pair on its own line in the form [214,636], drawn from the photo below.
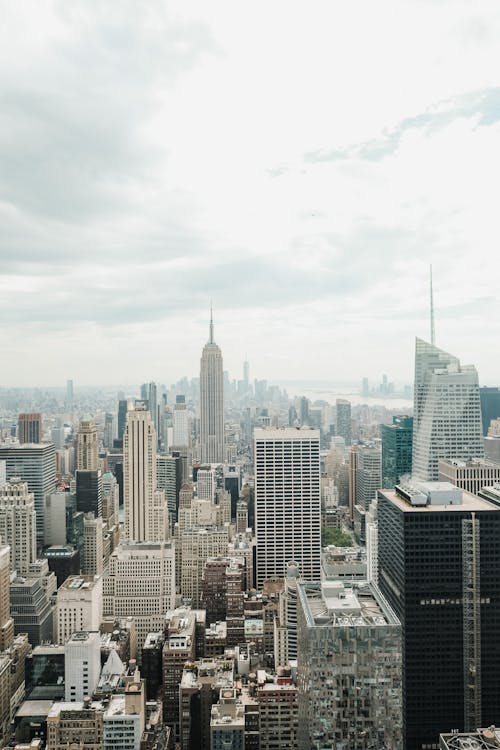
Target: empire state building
[211,402]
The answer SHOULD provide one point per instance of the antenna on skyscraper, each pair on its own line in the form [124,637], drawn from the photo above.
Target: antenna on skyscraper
[211,337]
[433,330]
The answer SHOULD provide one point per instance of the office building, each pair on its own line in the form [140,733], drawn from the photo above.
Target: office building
[181,426]
[122,417]
[54,517]
[278,711]
[211,402]
[45,673]
[447,411]
[438,568]
[490,405]
[397,442]
[169,471]
[70,395]
[140,583]
[93,550]
[349,668]
[18,523]
[144,505]
[5,666]
[227,722]
[75,725]
[343,419]
[108,432]
[29,428]
[82,664]
[149,397]
[198,544]
[89,491]
[87,445]
[470,475]
[368,475]
[179,647]
[63,560]
[36,465]
[6,621]
[31,609]
[79,606]
[287,502]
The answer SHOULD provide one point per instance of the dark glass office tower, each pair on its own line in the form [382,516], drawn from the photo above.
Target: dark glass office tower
[439,568]
[490,405]
[397,440]
[122,417]
[89,492]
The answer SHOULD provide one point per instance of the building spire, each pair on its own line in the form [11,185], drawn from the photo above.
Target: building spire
[211,329]
[433,330]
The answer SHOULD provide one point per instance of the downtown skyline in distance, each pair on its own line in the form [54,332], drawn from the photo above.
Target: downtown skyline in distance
[152,161]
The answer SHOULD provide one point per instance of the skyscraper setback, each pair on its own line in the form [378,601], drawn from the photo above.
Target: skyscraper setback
[211,401]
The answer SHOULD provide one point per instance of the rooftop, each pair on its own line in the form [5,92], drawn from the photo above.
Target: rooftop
[331,603]
[76,583]
[467,502]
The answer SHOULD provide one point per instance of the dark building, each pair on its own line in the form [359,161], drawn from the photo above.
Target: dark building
[29,428]
[439,568]
[45,673]
[213,587]
[397,442]
[64,561]
[122,417]
[89,492]
[151,664]
[490,405]
[232,484]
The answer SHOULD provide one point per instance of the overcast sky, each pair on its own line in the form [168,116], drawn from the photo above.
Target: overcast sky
[300,163]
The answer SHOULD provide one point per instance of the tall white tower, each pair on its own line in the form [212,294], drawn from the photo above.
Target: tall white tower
[287,502]
[211,401]
[447,411]
[144,505]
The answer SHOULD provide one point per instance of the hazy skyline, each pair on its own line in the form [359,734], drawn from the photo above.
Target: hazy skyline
[300,164]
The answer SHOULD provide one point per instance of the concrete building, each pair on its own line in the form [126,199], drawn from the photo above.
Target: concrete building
[5,665]
[31,609]
[18,523]
[278,711]
[6,621]
[199,689]
[93,557]
[87,445]
[447,411]
[79,606]
[75,725]
[227,723]
[144,505]
[437,570]
[471,475]
[54,518]
[198,544]
[179,648]
[82,665]
[29,428]
[349,668]
[36,465]
[287,502]
[212,440]
[140,583]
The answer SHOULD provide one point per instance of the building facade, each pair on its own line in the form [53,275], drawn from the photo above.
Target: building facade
[211,402]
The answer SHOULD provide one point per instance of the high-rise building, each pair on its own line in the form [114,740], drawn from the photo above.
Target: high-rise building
[82,664]
[211,402]
[140,583]
[144,505]
[18,524]
[471,475]
[447,411]
[107,438]
[349,668]
[79,606]
[93,561]
[397,441]
[169,480]
[31,608]
[490,405]
[149,395]
[70,396]
[182,432]
[36,465]
[287,502]
[89,492]
[368,478]
[6,621]
[122,417]
[29,428]
[438,569]
[343,419]
[87,445]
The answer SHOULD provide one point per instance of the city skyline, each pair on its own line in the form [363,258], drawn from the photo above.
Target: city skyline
[150,161]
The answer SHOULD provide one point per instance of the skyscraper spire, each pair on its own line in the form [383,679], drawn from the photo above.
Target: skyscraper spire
[211,334]
[433,331]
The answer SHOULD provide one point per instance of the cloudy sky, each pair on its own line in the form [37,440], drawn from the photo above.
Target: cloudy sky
[300,163]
